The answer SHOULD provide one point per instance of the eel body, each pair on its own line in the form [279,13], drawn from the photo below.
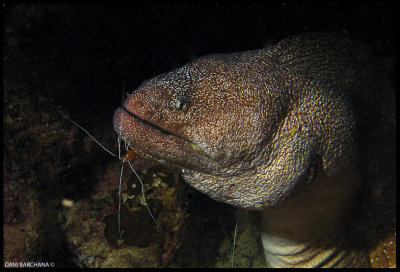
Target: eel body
[276,130]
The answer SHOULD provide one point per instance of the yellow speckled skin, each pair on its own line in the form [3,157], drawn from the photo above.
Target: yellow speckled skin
[275,130]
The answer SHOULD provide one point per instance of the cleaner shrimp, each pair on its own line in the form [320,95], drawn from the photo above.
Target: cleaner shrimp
[130,156]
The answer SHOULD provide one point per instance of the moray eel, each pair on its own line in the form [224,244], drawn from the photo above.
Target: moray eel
[274,130]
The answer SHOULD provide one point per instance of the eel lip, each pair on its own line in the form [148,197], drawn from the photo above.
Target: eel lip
[144,121]
[156,144]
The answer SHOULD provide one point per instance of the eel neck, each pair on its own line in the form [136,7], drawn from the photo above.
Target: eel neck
[306,229]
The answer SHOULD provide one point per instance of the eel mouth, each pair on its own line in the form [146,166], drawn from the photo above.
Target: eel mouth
[144,121]
[155,143]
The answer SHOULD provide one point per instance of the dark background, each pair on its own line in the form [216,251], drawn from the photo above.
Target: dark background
[82,54]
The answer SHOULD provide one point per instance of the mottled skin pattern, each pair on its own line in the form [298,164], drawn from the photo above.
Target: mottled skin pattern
[272,130]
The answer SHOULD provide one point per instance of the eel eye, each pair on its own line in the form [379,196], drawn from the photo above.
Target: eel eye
[181,104]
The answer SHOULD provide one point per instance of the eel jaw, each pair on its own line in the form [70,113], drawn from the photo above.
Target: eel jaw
[144,121]
[156,144]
